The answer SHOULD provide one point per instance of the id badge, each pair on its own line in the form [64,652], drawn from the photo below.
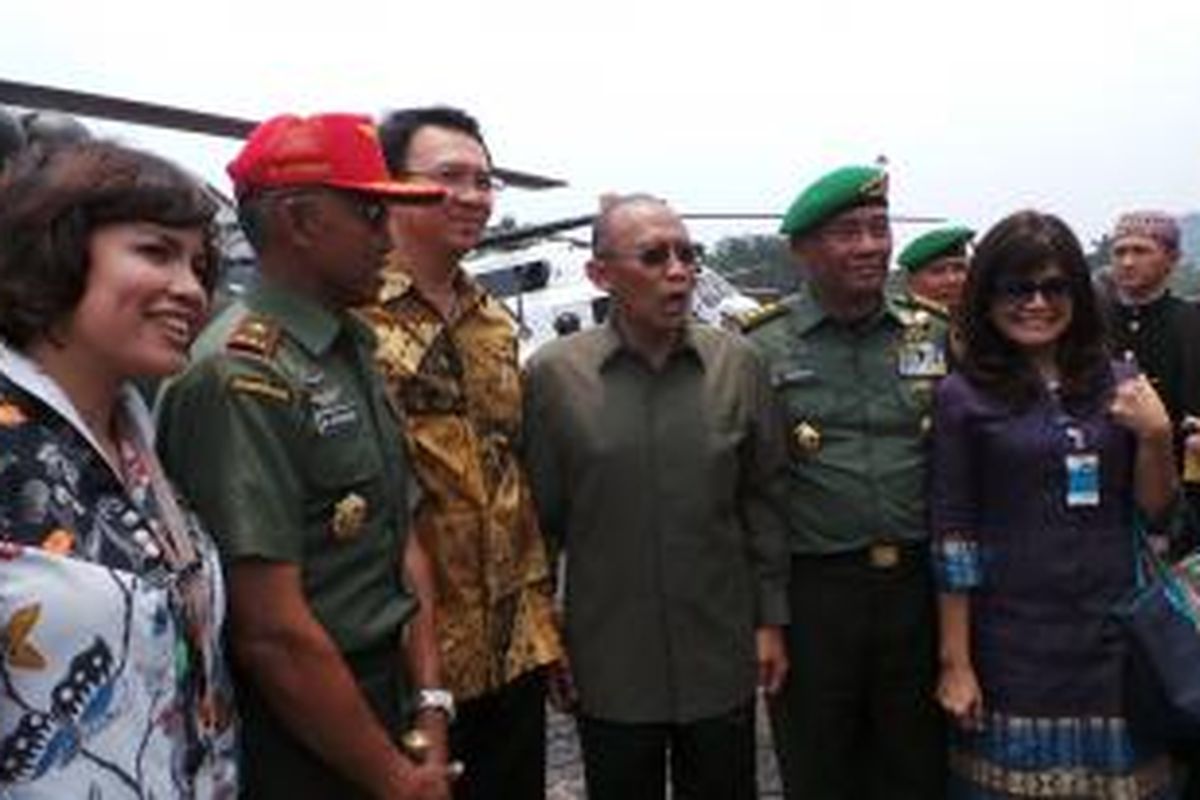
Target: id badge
[921,360]
[1083,480]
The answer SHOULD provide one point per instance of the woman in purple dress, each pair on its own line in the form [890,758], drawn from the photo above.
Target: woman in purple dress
[1042,451]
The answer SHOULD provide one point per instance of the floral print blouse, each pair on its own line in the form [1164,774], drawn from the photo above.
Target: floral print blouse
[104,692]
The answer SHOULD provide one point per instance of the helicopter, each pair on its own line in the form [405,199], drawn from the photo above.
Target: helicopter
[538,271]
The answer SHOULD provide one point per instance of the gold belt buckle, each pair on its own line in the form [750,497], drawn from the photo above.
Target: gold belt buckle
[884,555]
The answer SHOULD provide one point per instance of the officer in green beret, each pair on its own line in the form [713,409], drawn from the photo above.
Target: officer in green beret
[281,436]
[935,265]
[853,371]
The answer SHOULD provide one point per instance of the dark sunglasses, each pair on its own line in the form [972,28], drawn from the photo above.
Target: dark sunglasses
[372,210]
[658,255]
[368,208]
[1020,291]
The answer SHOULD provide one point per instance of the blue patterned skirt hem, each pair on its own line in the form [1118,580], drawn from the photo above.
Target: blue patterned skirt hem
[1041,757]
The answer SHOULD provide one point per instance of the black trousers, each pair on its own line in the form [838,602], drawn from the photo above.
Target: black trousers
[276,765]
[711,759]
[857,718]
[501,739]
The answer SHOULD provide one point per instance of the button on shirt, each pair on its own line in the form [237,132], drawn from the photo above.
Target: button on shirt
[861,478]
[658,485]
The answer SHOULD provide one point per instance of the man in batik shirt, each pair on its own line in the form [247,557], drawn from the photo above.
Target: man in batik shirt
[448,352]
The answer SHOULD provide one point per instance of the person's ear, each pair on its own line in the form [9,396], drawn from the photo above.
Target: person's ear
[300,217]
[597,270]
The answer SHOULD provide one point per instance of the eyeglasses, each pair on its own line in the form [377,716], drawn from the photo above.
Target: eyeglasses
[657,255]
[1022,291]
[461,179]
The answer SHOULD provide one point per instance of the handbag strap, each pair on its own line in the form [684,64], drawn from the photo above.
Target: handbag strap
[1151,568]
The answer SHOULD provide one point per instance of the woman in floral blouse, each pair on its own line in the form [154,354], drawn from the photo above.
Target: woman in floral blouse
[112,681]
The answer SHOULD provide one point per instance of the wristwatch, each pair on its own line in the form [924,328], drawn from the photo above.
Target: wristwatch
[438,700]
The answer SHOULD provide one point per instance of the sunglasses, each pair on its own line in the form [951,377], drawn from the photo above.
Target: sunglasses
[372,210]
[658,255]
[1020,291]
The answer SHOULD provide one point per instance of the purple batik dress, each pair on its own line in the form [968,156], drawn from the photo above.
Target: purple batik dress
[1043,570]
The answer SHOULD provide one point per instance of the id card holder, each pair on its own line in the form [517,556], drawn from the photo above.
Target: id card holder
[1083,480]
[921,359]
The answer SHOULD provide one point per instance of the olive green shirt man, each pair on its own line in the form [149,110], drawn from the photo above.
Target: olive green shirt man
[857,401]
[657,483]
[280,435]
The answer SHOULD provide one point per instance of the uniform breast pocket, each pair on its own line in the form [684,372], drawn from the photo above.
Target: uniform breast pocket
[801,393]
[347,478]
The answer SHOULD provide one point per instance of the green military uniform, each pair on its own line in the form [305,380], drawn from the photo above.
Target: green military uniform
[280,435]
[857,401]
[857,717]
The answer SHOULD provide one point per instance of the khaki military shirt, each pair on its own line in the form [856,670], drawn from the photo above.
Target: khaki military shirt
[658,484]
[280,435]
[458,384]
[857,400]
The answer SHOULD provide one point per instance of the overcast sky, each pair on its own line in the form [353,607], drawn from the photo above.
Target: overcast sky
[1081,108]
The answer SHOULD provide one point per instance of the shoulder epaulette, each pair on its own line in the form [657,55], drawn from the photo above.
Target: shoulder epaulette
[749,320]
[258,336]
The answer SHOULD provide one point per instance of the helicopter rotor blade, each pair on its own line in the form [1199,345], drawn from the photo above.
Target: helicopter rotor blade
[504,238]
[120,109]
[87,104]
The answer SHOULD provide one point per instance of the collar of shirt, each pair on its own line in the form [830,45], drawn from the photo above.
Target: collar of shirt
[29,376]
[808,314]
[1157,301]
[311,324]
[609,343]
[398,282]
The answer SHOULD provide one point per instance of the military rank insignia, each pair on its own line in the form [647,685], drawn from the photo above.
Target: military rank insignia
[349,516]
[255,335]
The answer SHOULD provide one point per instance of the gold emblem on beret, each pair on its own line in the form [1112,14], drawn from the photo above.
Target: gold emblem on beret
[807,438]
[349,515]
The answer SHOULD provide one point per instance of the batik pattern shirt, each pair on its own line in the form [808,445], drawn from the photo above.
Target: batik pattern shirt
[458,385]
[101,695]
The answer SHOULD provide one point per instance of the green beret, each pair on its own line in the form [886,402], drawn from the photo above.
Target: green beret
[839,190]
[933,245]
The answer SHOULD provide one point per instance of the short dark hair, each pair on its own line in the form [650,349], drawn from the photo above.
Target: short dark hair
[398,127]
[51,202]
[1018,246]
[610,205]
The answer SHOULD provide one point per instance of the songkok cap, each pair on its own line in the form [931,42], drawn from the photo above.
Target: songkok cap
[338,150]
[935,244]
[832,194]
[1156,225]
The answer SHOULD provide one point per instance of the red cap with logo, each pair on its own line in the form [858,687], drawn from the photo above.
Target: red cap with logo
[338,150]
